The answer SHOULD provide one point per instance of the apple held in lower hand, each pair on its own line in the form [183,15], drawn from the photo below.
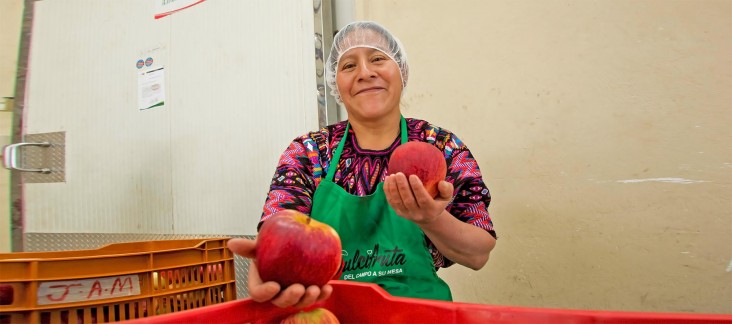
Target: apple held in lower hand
[421,159]
[294,248]
[315,316]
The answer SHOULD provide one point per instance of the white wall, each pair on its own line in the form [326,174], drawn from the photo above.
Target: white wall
[239,86]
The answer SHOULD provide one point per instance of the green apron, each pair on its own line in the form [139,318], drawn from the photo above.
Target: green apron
[379,246]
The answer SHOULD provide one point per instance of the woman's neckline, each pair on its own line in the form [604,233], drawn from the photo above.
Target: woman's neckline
[386,150]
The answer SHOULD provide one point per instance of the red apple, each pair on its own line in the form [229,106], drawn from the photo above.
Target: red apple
[315,316]
[421,159]
[6,294]
[294,248]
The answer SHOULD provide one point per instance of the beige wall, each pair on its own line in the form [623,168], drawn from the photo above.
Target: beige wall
[603,131]
[11,14]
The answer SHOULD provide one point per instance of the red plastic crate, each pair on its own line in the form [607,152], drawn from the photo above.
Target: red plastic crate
[354,302]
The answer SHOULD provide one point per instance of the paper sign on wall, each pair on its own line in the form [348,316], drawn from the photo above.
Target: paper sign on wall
[167,7]
[151,88]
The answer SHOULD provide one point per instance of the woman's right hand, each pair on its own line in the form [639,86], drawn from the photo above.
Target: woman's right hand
[295,295]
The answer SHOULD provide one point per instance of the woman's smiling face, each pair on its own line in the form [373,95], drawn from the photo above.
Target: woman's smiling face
[369,83]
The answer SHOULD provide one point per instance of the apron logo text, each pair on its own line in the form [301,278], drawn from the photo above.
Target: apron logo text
[366,274]
[391,257]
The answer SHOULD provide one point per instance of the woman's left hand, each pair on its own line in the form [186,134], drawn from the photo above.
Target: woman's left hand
[409,198]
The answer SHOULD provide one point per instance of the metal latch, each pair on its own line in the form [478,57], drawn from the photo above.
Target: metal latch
[11,161]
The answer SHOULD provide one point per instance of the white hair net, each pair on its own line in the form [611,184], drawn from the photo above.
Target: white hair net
[364,34]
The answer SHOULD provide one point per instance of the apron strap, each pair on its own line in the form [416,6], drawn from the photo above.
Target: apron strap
[403,130]
[337,154]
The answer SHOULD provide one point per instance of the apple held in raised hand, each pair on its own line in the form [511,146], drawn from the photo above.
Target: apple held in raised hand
[315,316]
[294,248]
[421,159]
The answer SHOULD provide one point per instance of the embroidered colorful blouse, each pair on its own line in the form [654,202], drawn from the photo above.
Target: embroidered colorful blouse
[306,161]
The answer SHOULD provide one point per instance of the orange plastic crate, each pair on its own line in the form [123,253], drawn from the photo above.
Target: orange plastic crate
[354,302]
[116,282]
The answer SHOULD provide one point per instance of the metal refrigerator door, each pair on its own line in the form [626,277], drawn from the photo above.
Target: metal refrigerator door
[239,86]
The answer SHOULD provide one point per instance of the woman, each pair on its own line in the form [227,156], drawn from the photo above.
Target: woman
[339,175]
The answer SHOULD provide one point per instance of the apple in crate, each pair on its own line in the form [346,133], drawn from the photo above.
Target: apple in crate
[315,316]
[6,294]
[421,159]
[294,248]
